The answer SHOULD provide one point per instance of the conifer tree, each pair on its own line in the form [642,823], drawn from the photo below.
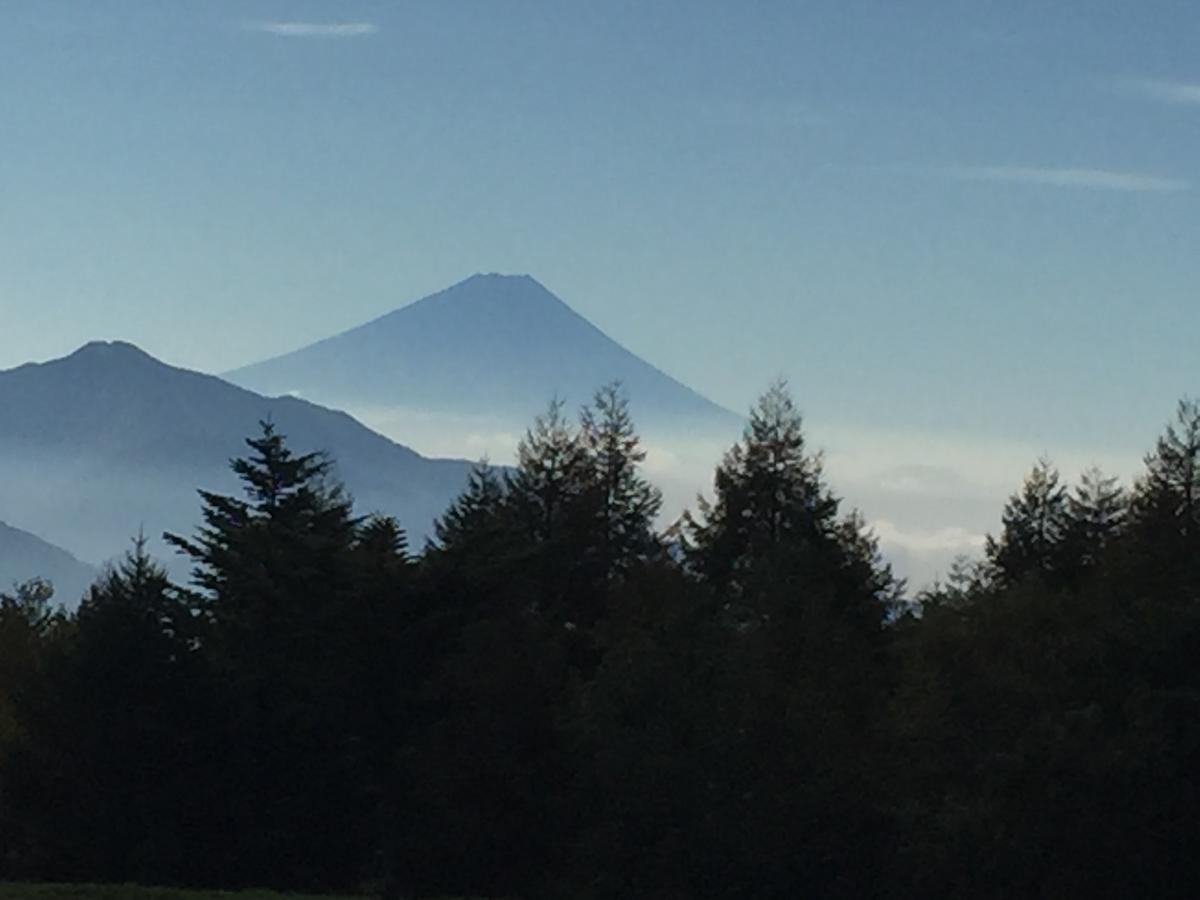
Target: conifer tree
[278,554]
[774,521]
[475,516]
[626,504]
[551,475]
[29,626]
[1096,512]
[382,546]
[276,576]
[1035,523]
[117,738]
[806,596]
[1166,501]
[768,490]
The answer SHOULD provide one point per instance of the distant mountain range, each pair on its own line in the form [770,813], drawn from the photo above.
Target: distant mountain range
[24,556]
[109,440]
[494,348]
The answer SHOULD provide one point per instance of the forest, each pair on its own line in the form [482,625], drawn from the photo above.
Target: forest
[553,698]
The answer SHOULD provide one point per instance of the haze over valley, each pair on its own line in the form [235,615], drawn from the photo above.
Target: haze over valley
[599,451]
[109,441]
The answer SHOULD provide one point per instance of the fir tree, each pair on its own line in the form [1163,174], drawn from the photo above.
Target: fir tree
[551,475]
[276,573]
[775,523]
[1096,513]
[626,504]
[1035,524]
[1166,500]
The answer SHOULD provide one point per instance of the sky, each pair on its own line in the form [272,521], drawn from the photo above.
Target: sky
[965,232]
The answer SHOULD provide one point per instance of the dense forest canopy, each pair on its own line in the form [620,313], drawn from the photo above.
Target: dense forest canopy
[553,699]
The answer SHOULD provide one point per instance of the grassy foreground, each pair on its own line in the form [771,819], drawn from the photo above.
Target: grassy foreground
[133,892]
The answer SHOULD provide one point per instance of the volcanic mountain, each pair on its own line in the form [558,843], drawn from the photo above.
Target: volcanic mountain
[494,348]
[110,441]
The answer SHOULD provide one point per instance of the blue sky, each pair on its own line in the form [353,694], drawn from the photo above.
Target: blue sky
[978,221]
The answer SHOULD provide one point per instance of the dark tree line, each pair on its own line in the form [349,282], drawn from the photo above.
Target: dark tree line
[552,699]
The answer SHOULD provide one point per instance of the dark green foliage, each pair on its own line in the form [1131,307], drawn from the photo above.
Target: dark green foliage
[109,779]
[276,572]
[624,505]
[772,540]
[552,700]
[1035,522]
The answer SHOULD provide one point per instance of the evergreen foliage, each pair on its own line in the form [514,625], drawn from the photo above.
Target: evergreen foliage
[1035,524]
[551,699]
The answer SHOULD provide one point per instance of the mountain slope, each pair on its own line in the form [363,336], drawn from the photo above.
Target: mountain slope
[110,440]
[493,346]
[24,556]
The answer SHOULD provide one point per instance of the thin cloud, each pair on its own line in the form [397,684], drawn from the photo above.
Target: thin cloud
[1176,93]
[315,29]
[1087,179]
[952,539]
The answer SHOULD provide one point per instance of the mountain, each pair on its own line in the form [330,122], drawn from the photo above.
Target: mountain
[24,556]
[109,440]
[494,348]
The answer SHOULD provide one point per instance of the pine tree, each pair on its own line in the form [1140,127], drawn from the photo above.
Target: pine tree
[806,596]
[475,516]
[775,522]
[626,504]
[117,737]
[1035,523]
[382,546]
[271,556]
[276,573]
[552,473]
[29,627]
[1166,501]
[1096,512]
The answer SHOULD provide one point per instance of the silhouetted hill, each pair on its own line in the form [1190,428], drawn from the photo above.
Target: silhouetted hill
[493,346]
[109,440]
[24,556]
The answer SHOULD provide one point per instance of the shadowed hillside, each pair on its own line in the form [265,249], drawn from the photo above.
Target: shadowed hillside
[24,556]
[109,440]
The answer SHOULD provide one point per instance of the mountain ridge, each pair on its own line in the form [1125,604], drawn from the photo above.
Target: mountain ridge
[109,439]
[25,556]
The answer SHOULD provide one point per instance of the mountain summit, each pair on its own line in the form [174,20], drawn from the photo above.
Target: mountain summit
[496,346]
[109,441]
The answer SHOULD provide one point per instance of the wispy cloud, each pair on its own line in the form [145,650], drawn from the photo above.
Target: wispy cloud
[1177,93]
[315,29]
[1087,179]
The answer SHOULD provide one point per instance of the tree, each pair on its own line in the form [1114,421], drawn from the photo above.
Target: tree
[115,737]
[33,638]
[774,521]
[1165,507]
[476,518]
[1035,524]
[805,595]
[1096,513]
[276,573]
[626,504]
[551,475]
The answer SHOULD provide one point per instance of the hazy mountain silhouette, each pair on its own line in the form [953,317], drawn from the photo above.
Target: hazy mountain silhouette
[24,556]
[109,440]
[495,346]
